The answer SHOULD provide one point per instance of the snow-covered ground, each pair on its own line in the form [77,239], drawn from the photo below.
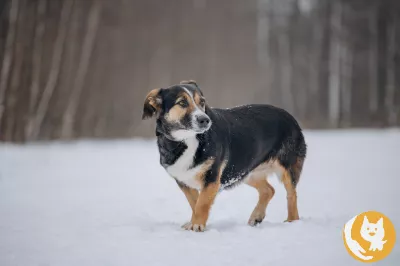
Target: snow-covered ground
[110,203]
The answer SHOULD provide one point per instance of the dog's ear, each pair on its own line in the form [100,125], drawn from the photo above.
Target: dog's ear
[152,104]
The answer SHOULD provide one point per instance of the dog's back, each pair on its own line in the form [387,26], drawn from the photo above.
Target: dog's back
[254,135]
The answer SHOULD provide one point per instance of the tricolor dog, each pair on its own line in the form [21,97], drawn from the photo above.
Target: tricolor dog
[207,149]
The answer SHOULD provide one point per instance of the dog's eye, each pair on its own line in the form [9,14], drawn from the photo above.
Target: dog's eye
[202,102]
[183,103]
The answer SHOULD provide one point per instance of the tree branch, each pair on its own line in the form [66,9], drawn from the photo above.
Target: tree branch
[8,53]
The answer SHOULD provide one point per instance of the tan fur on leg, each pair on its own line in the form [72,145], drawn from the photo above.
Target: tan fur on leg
[203,206]
[265,192]
[204,202]
[191,196]
[293,213]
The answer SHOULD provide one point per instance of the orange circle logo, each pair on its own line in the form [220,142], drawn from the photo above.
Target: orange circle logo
[369,236]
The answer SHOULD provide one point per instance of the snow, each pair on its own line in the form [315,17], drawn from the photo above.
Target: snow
[111,203]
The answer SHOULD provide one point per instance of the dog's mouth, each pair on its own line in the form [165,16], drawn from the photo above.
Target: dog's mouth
[182,134]
[201,130]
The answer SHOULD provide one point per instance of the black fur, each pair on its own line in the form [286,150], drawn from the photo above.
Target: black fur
[244,137]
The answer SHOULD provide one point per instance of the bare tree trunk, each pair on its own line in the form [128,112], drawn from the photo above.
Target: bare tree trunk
[36,66]
[8,53]
[14,90]
[287,71]
[391,74]
[315,57]
[55,69]
[263,50]
[346,67]
[70,61]
[334,63]
[346,95]
[70,112]
[273,65]
[373,61]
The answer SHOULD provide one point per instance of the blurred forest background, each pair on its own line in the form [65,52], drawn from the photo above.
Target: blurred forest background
[81,68]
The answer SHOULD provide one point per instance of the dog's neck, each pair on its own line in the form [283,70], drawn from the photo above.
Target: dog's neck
[172,150]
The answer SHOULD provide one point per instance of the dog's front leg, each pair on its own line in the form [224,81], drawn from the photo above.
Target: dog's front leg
[203,205]
[191,196]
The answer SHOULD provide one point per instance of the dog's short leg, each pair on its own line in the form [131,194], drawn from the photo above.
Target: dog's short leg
[191,196]
[265,194]
[291,194]
[203,205]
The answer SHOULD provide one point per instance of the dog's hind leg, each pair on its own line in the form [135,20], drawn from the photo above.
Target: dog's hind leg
[290,178]
[265,194]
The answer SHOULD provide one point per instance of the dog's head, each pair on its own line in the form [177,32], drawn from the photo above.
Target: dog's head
[180,110]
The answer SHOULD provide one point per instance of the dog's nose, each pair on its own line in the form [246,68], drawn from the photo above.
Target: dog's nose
[203,121]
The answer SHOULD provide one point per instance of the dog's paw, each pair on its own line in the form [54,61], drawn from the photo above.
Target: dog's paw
[194,227]
[199,227]
[187,226]
[254,222]
[256,218]
[291,220]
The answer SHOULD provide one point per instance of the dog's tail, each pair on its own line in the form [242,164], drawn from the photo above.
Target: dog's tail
[292,155]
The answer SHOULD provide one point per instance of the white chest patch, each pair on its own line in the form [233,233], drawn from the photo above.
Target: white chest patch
[180,169]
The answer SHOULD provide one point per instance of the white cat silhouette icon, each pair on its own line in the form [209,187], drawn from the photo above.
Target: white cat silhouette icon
[373,233]
[369,236]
